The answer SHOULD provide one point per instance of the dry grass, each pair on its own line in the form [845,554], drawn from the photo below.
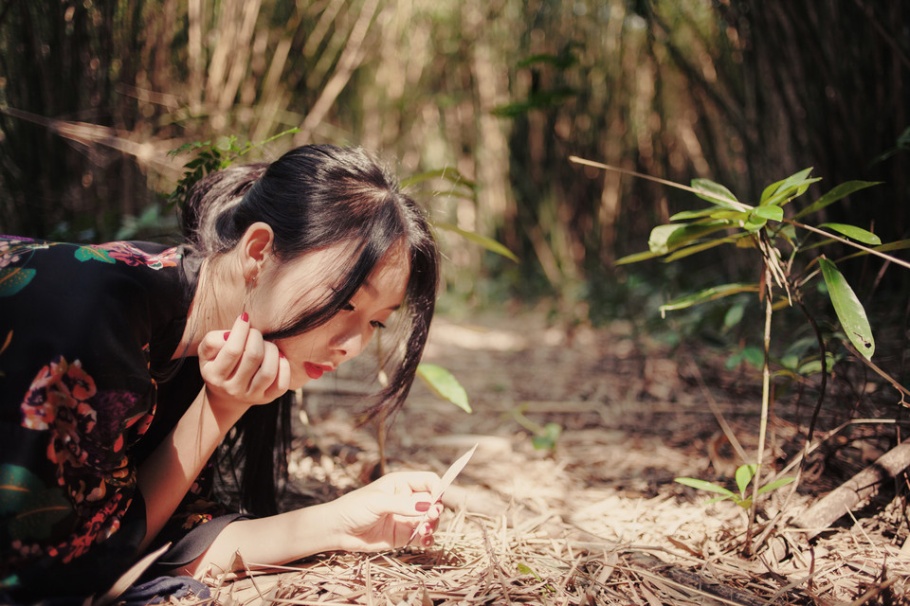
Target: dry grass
[597,521]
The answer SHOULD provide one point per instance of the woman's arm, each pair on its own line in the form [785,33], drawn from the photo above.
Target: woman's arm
[380,516]
[240,370]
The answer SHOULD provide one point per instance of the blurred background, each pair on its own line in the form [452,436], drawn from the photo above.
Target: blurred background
[480,103]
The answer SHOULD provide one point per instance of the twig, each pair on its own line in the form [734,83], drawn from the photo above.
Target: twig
[718,413]
[905,393]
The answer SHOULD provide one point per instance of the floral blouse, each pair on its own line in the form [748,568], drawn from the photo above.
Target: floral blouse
[88,388]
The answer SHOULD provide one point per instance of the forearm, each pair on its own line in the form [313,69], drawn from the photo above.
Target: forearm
[273,540]
[167,475]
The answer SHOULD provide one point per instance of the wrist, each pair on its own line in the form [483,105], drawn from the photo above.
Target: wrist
[320,529]
[225,410]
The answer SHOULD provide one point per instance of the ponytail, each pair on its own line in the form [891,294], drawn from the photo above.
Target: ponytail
[206,214]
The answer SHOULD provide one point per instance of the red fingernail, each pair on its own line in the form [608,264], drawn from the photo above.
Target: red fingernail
[227,334]
[422,506]
[245,317]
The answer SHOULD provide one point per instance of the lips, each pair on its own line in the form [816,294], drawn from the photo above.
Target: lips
[314,371]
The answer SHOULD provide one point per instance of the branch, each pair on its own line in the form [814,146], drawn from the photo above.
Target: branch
[871,251]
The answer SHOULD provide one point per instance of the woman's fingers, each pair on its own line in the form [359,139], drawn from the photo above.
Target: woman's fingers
[243,365]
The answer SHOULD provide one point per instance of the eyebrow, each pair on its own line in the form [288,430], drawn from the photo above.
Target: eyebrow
[368,286]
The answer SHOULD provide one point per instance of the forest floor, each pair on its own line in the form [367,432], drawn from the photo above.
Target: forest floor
[598,519]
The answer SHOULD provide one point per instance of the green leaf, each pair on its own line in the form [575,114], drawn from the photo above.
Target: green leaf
[666,238]
[734,315]
[660,235]
[771,213]
[704,485]
[744,475]
[754,223]
[896,245]
[487,243]
[444,384]
[637,257]
[697,248]
[547,439]
[14,279]
[812,367]
[778,483]
[717,194]
[709,294]
[854,233]
[838,192]
[783,191]
[453,175]
[524,569]
[848,308]
[688,215]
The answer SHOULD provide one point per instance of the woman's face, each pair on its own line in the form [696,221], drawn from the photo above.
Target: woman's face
[310,279]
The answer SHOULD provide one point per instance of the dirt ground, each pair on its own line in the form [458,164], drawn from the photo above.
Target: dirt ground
[597,519]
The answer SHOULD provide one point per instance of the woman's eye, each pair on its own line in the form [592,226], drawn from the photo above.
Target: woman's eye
[377,324]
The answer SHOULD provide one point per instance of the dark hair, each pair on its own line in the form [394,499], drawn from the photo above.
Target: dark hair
[313,197]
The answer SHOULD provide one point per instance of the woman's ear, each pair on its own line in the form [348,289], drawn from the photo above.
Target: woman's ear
[255,248]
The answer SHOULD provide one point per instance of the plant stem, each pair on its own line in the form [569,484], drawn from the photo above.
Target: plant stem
[765,406]
[847,242]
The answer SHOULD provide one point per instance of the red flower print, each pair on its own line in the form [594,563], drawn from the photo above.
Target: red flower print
[129,254]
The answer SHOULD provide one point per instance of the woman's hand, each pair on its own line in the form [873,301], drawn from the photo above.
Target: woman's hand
[239,367]
[384,514]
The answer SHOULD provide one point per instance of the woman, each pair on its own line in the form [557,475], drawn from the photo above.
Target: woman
[107,424]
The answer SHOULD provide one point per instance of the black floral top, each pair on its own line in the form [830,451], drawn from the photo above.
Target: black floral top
[88,388]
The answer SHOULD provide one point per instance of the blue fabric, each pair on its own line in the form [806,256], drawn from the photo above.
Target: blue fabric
[160,589]
[153,591]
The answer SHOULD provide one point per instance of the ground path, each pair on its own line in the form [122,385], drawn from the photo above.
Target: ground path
[595,520]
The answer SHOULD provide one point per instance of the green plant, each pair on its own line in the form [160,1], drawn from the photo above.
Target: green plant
[211,156]
[744,476]
[543,437]
[787,251]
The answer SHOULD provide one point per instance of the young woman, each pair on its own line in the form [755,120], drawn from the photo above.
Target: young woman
[125,366]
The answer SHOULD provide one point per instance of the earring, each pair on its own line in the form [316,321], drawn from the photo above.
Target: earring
[250,285]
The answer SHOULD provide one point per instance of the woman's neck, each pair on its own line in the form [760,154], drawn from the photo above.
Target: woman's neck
[218,298]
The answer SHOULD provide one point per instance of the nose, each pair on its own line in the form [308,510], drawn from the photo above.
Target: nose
[350,344]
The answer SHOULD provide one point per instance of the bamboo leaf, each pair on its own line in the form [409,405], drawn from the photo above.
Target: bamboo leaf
[744,475]
[838,192]
[547,439]
[697,248]
[848,308]
[444,384]
[452,175]
[715,193]
[704,485]
[637,257]
[708,294]
[666,238]
[778,483]
[785,190]
[896,245]
[887,247]
[854,233]
[487,243]
[771,213]
[660,236]
[688,215]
